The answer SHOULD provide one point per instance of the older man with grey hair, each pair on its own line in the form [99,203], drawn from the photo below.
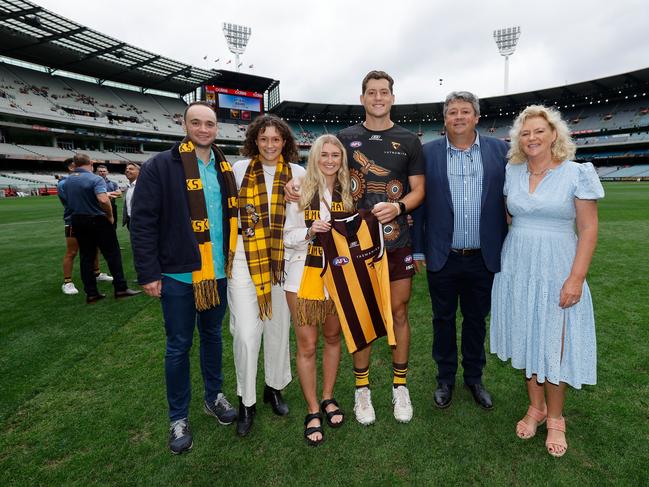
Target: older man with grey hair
[458,235]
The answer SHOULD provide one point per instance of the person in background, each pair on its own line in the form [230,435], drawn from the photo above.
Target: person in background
[113,190]
[86,195]
[71,244]
[542,315]
[132,172]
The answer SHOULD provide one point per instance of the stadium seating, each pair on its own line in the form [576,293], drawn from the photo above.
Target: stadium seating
[641,170]
[27,91]
[621,128]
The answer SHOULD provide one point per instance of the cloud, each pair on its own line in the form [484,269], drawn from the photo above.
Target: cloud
[320,51]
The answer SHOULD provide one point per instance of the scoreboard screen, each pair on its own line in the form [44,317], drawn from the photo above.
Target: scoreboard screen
[234,105]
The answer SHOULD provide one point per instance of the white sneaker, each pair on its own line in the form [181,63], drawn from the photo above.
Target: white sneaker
[68,288]
[103,277]
[363,406]
[402,404]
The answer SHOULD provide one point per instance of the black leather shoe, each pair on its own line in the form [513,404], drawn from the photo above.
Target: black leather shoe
[480,395]
[443,395]
[126,293]
[94,298]
[274,397]
[245,418]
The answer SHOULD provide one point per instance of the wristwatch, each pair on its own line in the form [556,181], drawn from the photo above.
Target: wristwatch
[402,207]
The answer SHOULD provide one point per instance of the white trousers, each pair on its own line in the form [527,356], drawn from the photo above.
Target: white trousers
[247,331]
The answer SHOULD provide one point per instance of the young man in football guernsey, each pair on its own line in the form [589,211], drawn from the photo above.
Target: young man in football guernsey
[387,176]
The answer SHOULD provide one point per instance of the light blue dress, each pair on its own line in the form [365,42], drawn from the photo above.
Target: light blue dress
[526,320]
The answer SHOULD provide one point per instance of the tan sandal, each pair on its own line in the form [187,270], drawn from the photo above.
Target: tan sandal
[523,430]
[553,446]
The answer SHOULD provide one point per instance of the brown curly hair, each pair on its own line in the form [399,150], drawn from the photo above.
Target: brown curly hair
[250,149]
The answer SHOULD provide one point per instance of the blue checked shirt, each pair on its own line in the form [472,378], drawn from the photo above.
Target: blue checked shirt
[464,169]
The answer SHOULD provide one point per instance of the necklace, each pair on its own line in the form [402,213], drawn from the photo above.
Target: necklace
[538,173]
[268,172]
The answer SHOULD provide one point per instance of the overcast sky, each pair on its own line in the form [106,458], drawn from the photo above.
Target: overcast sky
[320,50]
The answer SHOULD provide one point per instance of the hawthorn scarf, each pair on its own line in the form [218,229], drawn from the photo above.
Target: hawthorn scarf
[312,307]
[262,229]
[204,280]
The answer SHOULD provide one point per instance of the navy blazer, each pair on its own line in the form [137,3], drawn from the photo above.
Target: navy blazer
[433,220]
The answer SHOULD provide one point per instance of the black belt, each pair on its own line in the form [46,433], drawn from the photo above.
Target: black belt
[465,252]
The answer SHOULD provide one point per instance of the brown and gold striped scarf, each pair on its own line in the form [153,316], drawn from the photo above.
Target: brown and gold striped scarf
[312,308]
[204,279]
[263,230]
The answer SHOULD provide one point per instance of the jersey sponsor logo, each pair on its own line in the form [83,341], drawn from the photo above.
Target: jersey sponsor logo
[340,261]
[354,244]
[194,184]
[375,137]
[408,259]
[355,144]
[371,252]
[395,145]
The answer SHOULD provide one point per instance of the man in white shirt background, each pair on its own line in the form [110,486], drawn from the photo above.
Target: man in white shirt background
[132,172]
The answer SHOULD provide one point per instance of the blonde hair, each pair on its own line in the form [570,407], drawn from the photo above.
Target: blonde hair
[314,180]
[562,148]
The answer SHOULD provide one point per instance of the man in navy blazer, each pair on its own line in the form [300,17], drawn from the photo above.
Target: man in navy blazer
[458,234]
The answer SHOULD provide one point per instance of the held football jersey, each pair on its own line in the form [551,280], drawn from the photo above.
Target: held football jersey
[357,278]
[380,162]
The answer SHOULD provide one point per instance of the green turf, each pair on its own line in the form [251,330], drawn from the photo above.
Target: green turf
[82,398]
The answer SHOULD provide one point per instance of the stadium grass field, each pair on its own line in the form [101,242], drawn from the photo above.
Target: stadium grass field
[82,400]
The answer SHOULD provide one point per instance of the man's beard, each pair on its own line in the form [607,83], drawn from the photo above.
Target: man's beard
[202,146]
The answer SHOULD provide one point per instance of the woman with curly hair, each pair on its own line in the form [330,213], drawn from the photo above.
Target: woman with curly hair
[325,194]
[542,312]
[255,289]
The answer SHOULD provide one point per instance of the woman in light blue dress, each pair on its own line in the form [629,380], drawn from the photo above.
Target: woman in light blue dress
[542,312]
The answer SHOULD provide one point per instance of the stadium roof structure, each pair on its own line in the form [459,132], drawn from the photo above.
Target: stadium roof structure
[609,88]
[33,34]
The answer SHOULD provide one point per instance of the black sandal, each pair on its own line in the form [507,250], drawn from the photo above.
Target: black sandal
[313,429]
[330,414]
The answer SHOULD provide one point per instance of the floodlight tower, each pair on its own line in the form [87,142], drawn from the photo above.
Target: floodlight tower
[506,40]
[237,38]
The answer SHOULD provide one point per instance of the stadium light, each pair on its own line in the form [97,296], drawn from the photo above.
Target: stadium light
[506,40]
[237,38]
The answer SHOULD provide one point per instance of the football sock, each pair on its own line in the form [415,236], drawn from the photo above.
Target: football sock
[362,377]
[399,373]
